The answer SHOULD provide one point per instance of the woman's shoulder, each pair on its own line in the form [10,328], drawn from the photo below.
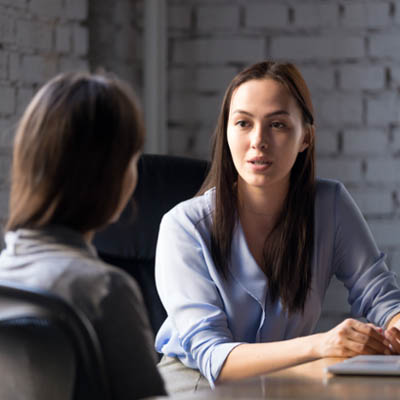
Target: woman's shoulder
[195,210]
[327,186]
[329,191]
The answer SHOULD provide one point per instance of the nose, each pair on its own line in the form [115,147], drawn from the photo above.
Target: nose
[258,138]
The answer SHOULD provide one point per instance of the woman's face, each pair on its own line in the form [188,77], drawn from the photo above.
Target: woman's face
[128,186]
[265,133]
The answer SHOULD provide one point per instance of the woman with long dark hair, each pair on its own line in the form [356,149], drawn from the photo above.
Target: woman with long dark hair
[73,172]
[242,269]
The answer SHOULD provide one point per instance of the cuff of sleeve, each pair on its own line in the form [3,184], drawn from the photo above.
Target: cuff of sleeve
[218,357]
[390,316]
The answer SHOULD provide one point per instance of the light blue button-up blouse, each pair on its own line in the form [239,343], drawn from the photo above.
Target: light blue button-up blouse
[209,315]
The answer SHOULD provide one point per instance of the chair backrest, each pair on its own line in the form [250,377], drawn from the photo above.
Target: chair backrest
[48,349]
[130,243]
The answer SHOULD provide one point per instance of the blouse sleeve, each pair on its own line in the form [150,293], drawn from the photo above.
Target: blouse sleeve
[186,282]
[373,289]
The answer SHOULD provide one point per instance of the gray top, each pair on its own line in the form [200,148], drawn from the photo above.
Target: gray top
[59,260]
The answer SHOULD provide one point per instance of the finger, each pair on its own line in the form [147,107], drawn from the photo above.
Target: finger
[393,335]
[365,344]
[369,339]
[377,328]
[369,329]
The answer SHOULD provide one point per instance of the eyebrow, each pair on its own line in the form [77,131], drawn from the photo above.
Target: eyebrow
[273,114]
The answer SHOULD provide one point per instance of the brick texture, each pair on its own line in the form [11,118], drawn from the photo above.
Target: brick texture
[37,37]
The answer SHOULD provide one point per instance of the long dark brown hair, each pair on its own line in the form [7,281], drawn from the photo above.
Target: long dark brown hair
[289,247]
[71,152]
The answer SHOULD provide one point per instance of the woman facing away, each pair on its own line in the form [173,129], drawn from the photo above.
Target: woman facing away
[73,172]
[243,268]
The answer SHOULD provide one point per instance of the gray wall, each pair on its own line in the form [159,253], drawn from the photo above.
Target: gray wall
[38,39]
[116,39]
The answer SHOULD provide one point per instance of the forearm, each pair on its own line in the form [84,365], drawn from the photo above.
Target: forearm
[248,360]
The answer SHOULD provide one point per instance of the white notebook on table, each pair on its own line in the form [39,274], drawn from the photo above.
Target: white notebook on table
[367,365]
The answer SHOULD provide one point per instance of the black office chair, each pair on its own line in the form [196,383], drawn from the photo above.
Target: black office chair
[48,349]
[130,244]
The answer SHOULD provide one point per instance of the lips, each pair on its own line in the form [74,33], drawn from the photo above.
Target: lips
[259,161]
[259,164]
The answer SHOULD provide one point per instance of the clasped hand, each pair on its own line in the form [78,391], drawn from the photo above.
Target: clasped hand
[351,338]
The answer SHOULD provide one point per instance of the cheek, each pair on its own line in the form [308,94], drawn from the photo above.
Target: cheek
[235,143]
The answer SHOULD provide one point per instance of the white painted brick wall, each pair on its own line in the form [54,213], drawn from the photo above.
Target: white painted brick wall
[394,72]
[77,9]
[3,64]
[35,44]
[179,140]
[383,109]
[5,164]
[46,8]
[67,64]
[179,17]
[34,35]
[388,232]
[319,78]
[194,108]
[397,15]
[395,142]
[326,142]
[116,38]
[367,143]
[4,201]
[7,31]
[385,45]
[214,79]
[318,48]
[14,3]
[7,100]
[63,39]
[24,95]
[218,51]
[383,170]
[37,69]
[354,77]
[374,202]
[334,107]
[6,138]
[361,14]
[80,40]
[266,16]
[14,67]
[218,17]
[347,171]
[315,15]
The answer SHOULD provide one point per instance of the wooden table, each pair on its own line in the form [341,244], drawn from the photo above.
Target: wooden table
[306,381]
[310,381]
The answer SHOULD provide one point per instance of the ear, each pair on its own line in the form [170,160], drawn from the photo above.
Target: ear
[308,135]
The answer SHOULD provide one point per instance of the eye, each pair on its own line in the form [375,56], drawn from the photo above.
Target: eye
[242,123]
[278,125]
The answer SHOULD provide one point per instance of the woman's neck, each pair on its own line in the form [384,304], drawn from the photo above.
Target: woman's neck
[261,203]
[259,211]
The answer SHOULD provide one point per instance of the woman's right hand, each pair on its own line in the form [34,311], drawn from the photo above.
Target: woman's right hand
[351,338]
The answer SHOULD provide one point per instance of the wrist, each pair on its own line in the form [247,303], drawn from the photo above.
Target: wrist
[314,345]
[394,321]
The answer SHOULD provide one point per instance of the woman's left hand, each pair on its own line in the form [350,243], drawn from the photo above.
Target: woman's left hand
[392,334]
